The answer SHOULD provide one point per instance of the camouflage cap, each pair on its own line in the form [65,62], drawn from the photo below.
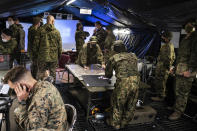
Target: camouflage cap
[118,43]
[36,20]
[118,46]
[167,34]
[93,39]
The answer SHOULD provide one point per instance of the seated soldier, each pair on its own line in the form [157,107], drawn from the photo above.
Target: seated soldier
[40,104]
[7,43]
[125,94]
[90,54]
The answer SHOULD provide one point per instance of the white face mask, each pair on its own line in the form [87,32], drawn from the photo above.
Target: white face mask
[4,40]
[10,23]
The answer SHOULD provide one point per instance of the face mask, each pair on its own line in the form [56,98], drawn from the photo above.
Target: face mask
[10,23]
[188,28]
[4,40]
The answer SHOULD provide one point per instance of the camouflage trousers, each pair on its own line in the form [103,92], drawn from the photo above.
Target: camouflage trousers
[34,68]
[16,56]
[161,77]
[107,55]
[123,101]
[182,90]
[43,66]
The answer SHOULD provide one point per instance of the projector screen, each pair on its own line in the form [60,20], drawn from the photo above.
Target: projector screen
[67,30]
[89,29]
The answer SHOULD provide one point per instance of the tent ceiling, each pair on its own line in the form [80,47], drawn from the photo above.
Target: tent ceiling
[169,14]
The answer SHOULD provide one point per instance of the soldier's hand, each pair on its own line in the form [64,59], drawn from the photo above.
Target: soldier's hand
[103,66]
[186,74]
[22,92]
[172,70]
[86,67]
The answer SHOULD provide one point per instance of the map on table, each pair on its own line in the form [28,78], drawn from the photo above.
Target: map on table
[97,81]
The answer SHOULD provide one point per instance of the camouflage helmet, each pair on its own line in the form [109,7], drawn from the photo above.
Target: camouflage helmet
[167,34]
[93,39]
[118,46]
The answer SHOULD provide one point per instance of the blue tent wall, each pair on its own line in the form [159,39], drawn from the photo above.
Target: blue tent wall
[142,42]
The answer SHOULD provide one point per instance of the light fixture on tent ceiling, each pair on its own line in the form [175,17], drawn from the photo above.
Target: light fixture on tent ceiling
[70,2]
[125,31]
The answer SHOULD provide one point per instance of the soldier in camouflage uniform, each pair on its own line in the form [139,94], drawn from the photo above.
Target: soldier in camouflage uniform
[19,34]
[40,103]
[32,47]
[164,63]
[108,43]
[125,94]
[49,43]
[186,69]
[80,36]
[100,33]
[7,43]
[90,54]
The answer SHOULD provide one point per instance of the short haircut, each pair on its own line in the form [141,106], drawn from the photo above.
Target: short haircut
[36,20]
[98,23]
[7,32]
[79,24]
[10,17]
[15,74]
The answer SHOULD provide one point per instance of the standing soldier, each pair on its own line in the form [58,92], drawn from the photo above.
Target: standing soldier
[80,36]
[91,54]
[50,48]
[32,47]
[164,63]
[100,33]
[7,43]
[125,94]
[108,43]
[19,34]
[186,68]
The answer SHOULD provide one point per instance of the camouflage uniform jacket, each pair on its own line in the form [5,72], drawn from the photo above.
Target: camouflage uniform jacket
[166,55]
[19,34]
[101,35]
[109,41]
[32,47]
[49,43]
[108,46]
[187,54]
[124,64]
[90,56]
[8,47]
[80,36]
[44,109]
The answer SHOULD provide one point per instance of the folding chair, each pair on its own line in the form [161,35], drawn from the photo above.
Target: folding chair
[64,59]
[71,115]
